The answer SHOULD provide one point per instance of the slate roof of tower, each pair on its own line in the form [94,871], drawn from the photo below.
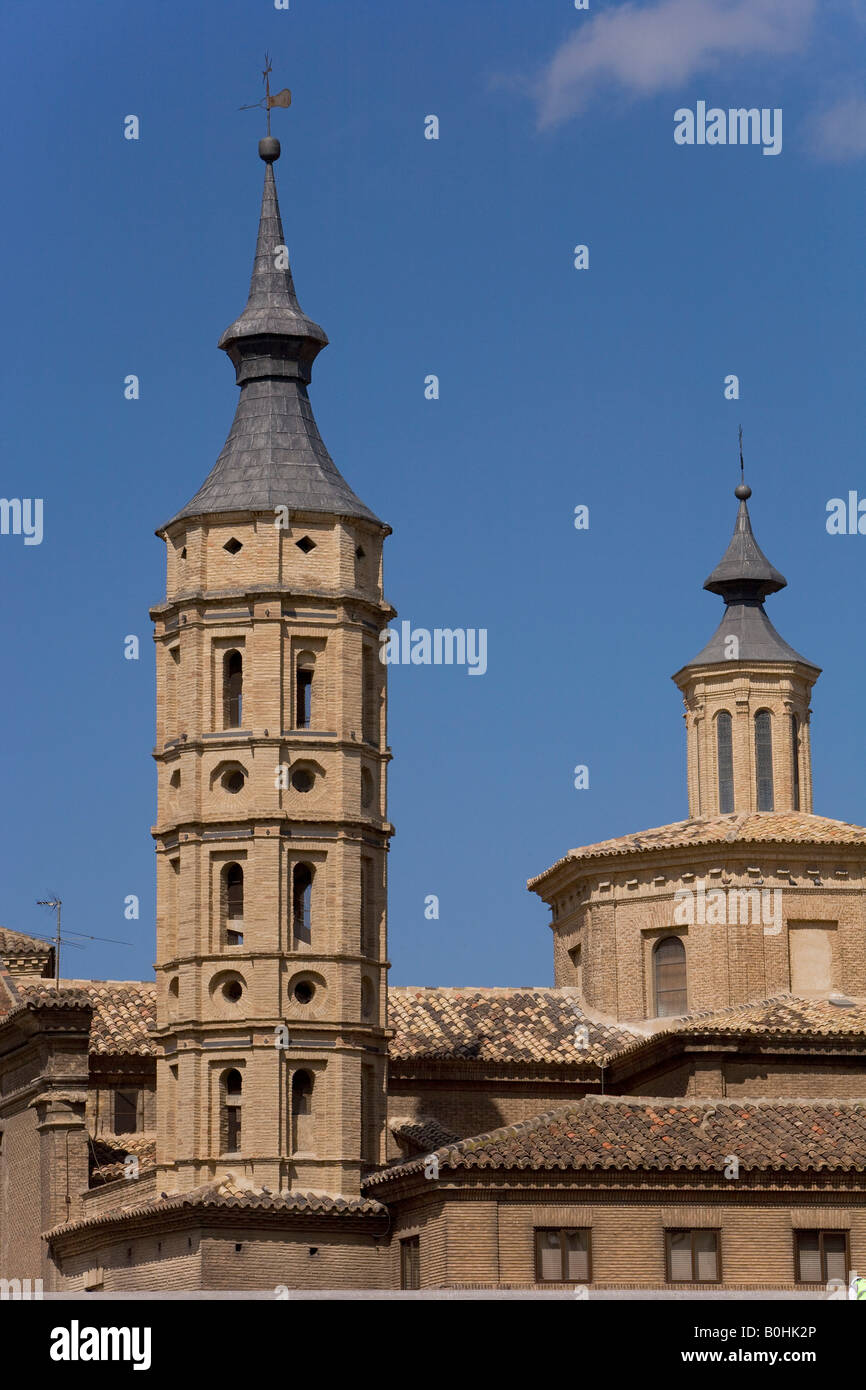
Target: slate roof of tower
[757,639]
[744,577]
[274,455]
[619,1132]
[748,827]
[744,562]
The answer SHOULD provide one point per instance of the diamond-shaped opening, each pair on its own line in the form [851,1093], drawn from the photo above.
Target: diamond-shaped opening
[233,546]
[360,552]
[183,553]
[305,544]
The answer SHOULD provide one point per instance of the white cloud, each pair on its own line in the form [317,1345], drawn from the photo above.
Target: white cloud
[839,132]
[642,50]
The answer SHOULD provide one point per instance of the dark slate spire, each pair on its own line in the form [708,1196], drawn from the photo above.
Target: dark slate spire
[744,577]
[274,455]
[744,569]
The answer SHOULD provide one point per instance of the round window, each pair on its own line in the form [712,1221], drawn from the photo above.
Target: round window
[232,991]
[233,781]
[303,780]
[304,991]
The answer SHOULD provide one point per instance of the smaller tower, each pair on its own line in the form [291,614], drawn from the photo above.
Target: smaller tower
[747,695]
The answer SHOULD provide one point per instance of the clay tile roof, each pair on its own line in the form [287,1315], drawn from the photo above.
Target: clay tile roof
[108,1155]
[623,1133]
[424,1135]
[783,1013]
[124,1012]
[19,943]
[229,1194]
[496,1025]
[755,827]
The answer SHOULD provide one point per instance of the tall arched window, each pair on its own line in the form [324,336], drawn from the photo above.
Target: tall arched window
[669,977]
[795,760]
[302,902]
[231,1098]
[303,1136]
[764,759]
[304,690]
[725,752]
[233,689]
[233,876]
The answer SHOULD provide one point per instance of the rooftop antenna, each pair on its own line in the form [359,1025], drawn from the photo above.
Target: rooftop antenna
[283,98]
[56,902]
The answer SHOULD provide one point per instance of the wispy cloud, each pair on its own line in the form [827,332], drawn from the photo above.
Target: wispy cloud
[645,49]
[838,133]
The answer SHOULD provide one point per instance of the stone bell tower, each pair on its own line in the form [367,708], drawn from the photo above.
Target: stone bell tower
[271,834]
[747,695]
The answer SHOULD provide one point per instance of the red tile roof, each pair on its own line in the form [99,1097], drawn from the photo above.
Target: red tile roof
[757,827]
[615,1132]
[124,1011]
[227,1194]
[497,1025]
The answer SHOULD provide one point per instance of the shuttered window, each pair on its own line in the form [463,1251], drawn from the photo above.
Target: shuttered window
[562,1256]
[669,969]
[692,1257]
[410,1263]
[821,1256]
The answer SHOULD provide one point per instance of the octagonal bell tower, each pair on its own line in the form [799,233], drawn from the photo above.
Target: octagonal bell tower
[271,834]
[747,694]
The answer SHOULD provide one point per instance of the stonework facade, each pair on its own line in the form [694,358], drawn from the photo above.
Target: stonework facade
[683,1109]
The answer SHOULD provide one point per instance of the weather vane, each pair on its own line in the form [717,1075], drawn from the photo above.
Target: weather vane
[742,465]
[283,98]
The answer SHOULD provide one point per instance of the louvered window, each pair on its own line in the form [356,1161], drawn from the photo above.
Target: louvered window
[764,759]
[725,750]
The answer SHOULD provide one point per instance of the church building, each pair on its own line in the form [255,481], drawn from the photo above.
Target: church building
[682,1109]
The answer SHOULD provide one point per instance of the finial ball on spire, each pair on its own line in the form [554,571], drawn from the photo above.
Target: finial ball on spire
[269,149]
[743,491]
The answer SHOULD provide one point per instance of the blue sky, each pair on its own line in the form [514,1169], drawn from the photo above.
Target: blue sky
[558,387]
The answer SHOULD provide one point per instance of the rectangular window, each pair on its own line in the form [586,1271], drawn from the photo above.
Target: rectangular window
[125,1112]
[563,1256]
[410,1263]
[821,1256]
[369,1131]
[233,1129]
[370,697]
[303,699]
[692,1257]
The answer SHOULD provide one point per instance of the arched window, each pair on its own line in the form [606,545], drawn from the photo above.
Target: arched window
[233,877]
[795,760]
[669,973]
[764,759]
[725,752]
[304,690]
[303,1138]
[233,689]
[231,1098]
[302,902]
